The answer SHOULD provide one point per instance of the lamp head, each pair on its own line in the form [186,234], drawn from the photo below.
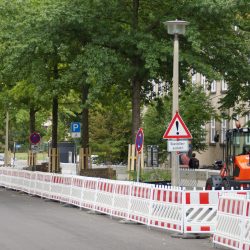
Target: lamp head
[176,27]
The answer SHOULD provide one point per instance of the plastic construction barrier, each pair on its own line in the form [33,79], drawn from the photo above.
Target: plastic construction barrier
[233,221]
[163,207]
[200,211]
[167,209]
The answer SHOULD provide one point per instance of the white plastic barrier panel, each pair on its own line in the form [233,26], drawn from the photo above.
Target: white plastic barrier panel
[56,187]
[140,202]
[33,178]
[246,230]
[89,193]
[77,191]
[105,196]
[166,210]
[200,209]
[230,221]
[66,189]
[121,199]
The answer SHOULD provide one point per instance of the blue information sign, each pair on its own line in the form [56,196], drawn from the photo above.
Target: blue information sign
[75,127]
[139,140]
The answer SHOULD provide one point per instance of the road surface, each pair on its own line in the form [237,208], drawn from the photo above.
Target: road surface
[32,223]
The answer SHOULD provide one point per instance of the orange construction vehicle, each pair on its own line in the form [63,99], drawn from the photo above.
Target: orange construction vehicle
[235,172]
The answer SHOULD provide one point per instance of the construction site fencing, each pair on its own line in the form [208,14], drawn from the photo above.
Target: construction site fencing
[233,221]
[164,207]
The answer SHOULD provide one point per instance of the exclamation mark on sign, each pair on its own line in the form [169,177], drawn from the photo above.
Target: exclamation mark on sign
[177,127]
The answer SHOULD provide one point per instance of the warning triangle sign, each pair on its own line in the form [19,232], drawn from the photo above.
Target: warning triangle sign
[177,129]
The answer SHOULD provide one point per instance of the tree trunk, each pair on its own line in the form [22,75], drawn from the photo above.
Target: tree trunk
[136,84]
[55,112]
[85,117]
[54,122]
[136,110]
[32,119]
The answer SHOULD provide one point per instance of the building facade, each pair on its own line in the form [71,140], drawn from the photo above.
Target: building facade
[216,129]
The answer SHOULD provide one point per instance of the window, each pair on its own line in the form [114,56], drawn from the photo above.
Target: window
[213,87]
[223,130]
[193,80]
[237,139]
[212,130]
[203,136]
[248,125]
[236,118]
[223,86]
[203,82]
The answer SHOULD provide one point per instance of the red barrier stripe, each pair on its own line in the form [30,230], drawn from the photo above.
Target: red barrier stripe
[170,196]
[233,207]
[205,228]
[228,205]
[247,212]
[204,198]
[189,228]
[159,195]
[188,198]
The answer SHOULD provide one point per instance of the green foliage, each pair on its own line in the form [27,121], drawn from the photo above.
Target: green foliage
[105,44]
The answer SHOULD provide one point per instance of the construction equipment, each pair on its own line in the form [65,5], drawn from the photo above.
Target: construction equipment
[235,172]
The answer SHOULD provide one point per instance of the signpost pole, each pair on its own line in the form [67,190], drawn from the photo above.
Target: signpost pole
[138,167]
[139,146]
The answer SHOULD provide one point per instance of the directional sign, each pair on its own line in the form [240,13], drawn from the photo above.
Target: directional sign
[177,129]
[35,138]
[139,140]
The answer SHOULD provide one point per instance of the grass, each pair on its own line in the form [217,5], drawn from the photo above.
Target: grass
[150,176]
[42,156]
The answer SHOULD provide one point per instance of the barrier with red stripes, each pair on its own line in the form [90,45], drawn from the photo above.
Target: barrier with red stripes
[200,211]
[167,208]
[233,221]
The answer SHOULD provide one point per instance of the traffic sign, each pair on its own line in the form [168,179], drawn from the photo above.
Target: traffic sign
[35,138]
[139,140]
[75,127]
[177,129]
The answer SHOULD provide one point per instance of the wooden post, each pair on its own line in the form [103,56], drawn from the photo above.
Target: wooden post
[54,163]
[133,157]
[32,158]
[84,155]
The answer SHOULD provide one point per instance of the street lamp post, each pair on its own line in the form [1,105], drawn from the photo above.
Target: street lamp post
[175,28]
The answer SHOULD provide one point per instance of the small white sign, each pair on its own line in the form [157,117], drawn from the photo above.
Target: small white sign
[178,146]
[76,135]
[34,148]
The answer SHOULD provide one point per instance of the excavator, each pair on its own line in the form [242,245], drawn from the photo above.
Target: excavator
[235,172]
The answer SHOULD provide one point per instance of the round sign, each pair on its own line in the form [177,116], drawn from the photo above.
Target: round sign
[139,140]
[35,138]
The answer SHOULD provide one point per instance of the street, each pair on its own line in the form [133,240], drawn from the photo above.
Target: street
[32,223]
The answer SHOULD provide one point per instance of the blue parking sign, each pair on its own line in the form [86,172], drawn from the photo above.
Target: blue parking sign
[75,127]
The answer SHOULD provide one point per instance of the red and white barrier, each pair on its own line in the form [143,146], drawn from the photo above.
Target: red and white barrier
[162,207]
[232,226]
[167,209]
[200,211]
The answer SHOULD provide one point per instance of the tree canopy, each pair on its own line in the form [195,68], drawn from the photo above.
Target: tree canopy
[115,49]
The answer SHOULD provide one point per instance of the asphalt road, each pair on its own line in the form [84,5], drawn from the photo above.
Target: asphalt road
[32,223]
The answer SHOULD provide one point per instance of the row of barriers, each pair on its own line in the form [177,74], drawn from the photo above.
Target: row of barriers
[175,209]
